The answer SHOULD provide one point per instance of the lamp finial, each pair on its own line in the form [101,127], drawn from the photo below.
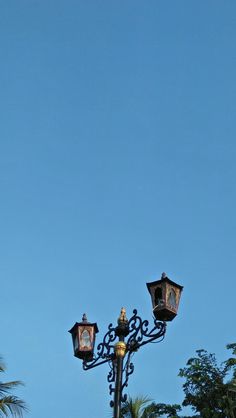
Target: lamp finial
[84,318]
[122,318]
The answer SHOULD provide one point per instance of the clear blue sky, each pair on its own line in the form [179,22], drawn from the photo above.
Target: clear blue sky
[117,162]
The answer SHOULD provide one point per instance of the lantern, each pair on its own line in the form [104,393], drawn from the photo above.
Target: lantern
[165,296]
[83,337]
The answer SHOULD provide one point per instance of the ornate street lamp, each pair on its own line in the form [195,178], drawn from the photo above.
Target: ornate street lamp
[83,338]
[121,341]
[165,296]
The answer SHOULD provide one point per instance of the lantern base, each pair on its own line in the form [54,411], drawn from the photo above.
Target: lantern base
[84,355]
[164,314]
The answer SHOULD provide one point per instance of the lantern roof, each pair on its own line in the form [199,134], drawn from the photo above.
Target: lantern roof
[83,323]
[163,279]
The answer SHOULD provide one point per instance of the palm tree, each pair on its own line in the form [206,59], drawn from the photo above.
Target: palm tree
[143,407]
[10,405]
[140,407]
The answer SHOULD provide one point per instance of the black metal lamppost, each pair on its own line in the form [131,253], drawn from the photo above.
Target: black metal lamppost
[131,335]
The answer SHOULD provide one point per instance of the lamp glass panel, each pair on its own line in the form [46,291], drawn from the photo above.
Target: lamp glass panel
[158,298]
[172,298]
[86,339]
[76,344]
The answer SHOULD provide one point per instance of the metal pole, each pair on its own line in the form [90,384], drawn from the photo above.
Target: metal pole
[120,348]
[118,386]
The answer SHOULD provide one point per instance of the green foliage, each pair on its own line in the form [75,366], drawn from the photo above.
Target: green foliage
[10,405]
[171,411]
[206,389]
[209,389]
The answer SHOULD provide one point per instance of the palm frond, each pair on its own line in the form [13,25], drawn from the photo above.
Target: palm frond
[11,405]
[2,365]
[133,408]
[5,387]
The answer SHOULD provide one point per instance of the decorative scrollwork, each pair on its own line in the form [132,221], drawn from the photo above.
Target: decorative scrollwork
[112,375]
[127,371]
[104,350]
[138,334]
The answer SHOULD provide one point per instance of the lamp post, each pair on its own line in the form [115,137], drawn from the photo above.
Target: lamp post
[122,341]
